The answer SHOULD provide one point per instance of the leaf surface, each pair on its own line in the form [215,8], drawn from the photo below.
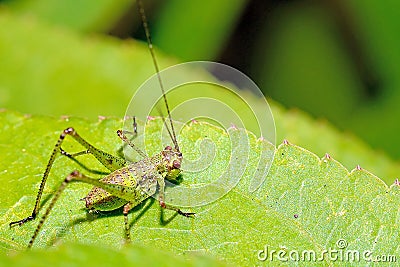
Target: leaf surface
[305,203]
[98,76]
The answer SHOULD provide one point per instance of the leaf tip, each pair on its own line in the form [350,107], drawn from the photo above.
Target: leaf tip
[233,127]
[261,139]
[285,142]
[327,157]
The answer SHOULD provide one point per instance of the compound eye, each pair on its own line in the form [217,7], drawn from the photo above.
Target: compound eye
[168,148]
[179,154]
[176,164]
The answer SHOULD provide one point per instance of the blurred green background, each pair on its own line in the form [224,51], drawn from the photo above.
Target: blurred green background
[336,59]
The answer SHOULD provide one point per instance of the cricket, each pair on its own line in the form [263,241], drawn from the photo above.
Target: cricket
[129,183]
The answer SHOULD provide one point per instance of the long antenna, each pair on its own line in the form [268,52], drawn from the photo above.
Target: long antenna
[147,32]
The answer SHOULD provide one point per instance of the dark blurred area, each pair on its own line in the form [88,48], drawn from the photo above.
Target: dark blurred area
[265,13]
[334,59]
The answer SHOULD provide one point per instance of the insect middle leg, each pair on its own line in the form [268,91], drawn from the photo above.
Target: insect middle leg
[161,200]
[109,161]
[126,210]
[122,134]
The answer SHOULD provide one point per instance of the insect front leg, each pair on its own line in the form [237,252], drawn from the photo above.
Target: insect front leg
[161,200]
[109,161]
[132,145]
[134,127]
[122,134]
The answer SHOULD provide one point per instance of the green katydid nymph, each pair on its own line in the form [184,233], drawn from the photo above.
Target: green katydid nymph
[128,184]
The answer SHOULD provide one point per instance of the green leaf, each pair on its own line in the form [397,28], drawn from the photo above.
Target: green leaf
[98,76]
[322,137]
[84,255]
[305,203]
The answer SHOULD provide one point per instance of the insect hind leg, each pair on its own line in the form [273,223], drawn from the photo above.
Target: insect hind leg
[52,203]
[83,166]
[76,176]
[73,176]
[109,161]
[74,155]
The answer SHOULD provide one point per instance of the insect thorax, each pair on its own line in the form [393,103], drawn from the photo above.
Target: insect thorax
[138,181]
